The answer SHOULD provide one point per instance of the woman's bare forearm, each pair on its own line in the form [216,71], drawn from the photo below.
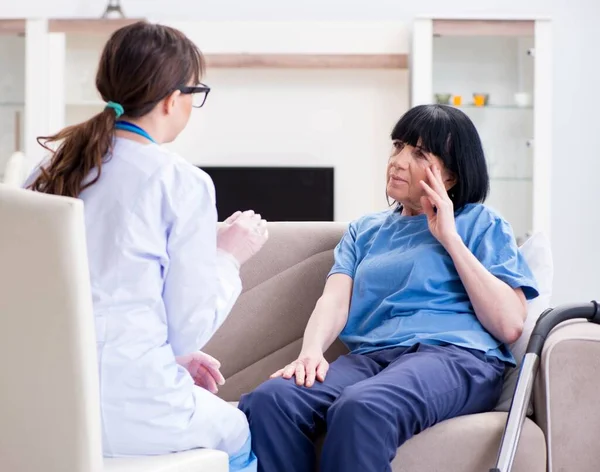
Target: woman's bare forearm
[330,314]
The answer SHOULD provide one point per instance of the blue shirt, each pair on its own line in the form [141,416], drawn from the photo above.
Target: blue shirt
[406,289]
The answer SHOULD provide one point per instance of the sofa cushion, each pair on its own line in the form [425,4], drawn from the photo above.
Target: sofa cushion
[537,252]
[468,444]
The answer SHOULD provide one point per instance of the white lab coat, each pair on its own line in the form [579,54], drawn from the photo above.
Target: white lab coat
[160,290]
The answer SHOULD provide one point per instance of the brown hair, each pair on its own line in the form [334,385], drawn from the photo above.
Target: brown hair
[141,64]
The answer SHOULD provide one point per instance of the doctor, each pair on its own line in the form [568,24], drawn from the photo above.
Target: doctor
[163,279]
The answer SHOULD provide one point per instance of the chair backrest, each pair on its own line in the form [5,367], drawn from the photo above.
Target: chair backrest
[49,394]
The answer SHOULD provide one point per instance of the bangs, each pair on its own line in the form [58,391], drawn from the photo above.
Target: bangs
[429,128]
[197,63]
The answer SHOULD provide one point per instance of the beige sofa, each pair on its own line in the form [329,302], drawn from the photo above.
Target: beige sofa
[264,332]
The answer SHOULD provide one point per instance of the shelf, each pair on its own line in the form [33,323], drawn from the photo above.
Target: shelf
[511,179]
[93,26]
[308,61]
[483,28]
[11,104]
[89,25]
[494,107]
[12,27]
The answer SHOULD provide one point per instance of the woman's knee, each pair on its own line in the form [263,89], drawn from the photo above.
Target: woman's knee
[270,394]
[236,433]
[354,397]
[357,406]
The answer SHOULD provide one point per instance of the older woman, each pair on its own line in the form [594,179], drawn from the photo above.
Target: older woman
[426,296]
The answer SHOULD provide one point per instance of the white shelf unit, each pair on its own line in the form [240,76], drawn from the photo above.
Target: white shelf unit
[500,58]
[33,59]
[12,97]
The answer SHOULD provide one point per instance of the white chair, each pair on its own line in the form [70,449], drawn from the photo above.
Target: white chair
[15,171]
[49,393]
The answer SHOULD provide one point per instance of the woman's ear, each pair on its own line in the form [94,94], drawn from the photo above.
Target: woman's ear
[169,102]
[449,180]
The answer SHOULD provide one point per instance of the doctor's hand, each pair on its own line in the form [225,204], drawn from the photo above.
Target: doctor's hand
[204,369]
[242,235]
[309,366]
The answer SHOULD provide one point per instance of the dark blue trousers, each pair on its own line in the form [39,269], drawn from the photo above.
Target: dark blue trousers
[368,406]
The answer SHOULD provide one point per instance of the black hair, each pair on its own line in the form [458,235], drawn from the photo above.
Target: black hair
[449,134]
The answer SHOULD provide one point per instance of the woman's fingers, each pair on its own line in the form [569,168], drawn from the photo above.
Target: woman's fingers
[216,374]
[233,217]
[276,374]
[437,182]
[261,227]
[208,359]
[432,194]
[311,372]
[428,207]
[322,369]
[203,378]
[306,371]
[289,370]
[300,373]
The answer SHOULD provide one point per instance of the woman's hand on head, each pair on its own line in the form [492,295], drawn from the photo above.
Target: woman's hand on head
[438,207]
[310,366]
[242,235]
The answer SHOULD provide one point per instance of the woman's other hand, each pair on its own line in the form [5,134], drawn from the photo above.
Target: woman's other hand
[242,235]
[438,207]
[204,369]
[309,366]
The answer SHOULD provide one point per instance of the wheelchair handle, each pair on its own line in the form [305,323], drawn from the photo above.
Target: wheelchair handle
[554,316]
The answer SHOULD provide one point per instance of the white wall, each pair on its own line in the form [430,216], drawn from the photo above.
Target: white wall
[576,161]
[334,119]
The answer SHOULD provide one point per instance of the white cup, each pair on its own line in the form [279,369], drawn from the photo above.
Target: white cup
[523,99]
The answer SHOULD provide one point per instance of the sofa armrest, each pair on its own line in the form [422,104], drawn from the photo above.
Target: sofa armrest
[565,396]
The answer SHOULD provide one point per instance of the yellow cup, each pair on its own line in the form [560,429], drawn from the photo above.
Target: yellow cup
[479,99]
[457,100]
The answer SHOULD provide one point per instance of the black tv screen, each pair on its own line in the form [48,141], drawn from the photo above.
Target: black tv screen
[277,193]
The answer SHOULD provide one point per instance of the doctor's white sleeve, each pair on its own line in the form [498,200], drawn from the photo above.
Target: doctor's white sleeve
[200,285]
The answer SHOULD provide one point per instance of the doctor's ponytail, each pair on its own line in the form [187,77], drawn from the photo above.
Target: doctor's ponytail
[82,149]
[141,64]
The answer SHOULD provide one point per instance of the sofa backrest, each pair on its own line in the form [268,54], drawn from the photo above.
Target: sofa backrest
[281,286]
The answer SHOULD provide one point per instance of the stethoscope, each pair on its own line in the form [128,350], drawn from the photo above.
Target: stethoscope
[127,126]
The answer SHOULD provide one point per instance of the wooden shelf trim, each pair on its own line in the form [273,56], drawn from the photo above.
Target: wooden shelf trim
[308,61]
[91,26]
[12,27]
[68,25]
[483,27]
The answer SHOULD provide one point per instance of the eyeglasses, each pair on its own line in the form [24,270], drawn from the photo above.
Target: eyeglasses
[199,94]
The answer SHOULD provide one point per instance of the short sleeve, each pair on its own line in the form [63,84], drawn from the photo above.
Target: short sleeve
[497,250]
[345,253]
